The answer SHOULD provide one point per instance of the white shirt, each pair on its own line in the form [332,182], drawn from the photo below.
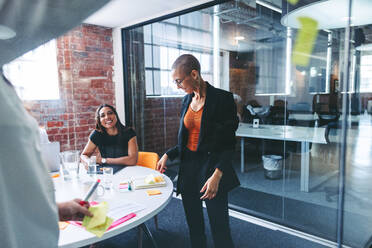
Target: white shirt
[28,212]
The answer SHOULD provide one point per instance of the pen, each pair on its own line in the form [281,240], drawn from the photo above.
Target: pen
[90,192]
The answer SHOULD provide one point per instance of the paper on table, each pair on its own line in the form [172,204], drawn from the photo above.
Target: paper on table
[99,223]
[140,183]
[120,211]
[305,41]
[122,208]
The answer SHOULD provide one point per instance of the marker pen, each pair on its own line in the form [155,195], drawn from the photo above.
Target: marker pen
[90,192]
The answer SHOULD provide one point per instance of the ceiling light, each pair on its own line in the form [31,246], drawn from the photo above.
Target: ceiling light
[6,33]
[239,38]
[330,14]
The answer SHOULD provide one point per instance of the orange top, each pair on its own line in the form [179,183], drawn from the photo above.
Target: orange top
[192,123]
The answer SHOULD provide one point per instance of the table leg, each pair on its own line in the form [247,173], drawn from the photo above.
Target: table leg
[140,237]
[242,154]
[305,161]
[149,234]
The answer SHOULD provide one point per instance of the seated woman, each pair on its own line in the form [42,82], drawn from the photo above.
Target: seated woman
[117,144]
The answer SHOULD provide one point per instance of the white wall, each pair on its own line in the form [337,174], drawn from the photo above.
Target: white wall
[118,73]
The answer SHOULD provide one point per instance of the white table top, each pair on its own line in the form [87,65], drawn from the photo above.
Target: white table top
[302,117]
[279,132]
[312,117]
[74,236]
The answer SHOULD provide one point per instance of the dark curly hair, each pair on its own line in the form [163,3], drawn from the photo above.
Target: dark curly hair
[101,128]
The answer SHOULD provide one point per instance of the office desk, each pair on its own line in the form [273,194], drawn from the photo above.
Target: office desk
[74,236]
[311,117]
[305,135]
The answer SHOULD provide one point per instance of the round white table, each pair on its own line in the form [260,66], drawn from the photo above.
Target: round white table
[74,236]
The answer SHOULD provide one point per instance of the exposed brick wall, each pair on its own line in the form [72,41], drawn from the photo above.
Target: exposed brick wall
[85,67]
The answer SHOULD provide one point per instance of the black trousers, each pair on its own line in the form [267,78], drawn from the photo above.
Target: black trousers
[217,208]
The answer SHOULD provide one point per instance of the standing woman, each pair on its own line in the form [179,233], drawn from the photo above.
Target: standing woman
[206,143]
[116,143]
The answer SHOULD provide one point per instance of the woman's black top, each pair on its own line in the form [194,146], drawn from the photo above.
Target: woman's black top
[113,146]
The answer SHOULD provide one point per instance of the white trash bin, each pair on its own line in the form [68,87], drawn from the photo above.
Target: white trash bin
[273,166]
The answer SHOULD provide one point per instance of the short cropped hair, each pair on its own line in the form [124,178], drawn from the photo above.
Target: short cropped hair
[187,63]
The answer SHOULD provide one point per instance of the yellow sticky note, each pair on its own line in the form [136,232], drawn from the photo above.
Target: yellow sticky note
[305,41]
[99,215]
[293,2]
[62,225]
[99,223]
[153,192]
[101,229]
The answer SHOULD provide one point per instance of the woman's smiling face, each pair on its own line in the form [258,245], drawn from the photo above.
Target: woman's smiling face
[107,118]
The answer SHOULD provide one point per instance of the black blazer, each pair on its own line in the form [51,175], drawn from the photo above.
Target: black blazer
[217,135]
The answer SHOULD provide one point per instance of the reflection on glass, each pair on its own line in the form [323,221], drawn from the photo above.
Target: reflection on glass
[245,48]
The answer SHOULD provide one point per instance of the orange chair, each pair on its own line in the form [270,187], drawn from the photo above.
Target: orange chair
[149,160]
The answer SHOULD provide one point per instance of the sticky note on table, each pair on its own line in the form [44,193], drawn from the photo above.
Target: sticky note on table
[305,41]
[153,192]
[101,229]
[62,225]
[99,223]
[55,175]
[293,2]
[123,186]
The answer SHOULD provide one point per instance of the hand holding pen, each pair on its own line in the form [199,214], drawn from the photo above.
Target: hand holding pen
[73,210]
[77,208]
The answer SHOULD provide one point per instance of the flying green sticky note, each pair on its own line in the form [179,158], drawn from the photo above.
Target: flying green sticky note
[293,2]
[99,223]
[305,41]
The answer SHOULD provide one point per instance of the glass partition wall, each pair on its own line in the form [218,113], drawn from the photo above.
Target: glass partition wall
[304,74]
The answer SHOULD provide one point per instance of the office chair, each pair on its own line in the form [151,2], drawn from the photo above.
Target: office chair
[149,160]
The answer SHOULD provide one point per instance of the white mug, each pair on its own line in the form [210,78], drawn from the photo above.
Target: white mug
[256,123]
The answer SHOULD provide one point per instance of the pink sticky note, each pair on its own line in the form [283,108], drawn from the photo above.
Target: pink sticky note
[114,224]
[122,220]
[123,186]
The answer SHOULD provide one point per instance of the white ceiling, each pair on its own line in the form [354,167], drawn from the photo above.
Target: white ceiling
[124,13]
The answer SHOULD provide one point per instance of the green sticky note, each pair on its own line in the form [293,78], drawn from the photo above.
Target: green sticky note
[100,230]
[293,2]
[305,41]
[99,215]
[99,223]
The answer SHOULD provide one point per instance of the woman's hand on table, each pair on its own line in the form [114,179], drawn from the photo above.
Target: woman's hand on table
[84,160]
[161,165]
[72,210]
[210,187]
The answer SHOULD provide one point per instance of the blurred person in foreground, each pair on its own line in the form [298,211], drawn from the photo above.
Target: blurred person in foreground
[28,212]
